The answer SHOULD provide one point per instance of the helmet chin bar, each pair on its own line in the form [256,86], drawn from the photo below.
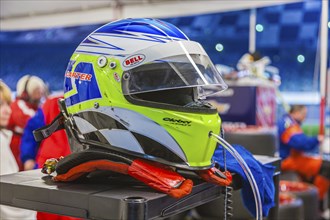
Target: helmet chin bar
[83,144]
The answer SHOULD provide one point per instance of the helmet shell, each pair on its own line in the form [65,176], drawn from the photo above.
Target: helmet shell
[104,113]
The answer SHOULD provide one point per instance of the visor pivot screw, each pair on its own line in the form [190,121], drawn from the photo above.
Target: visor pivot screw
[113,65]
[96,105]
[126,76]
[102,61]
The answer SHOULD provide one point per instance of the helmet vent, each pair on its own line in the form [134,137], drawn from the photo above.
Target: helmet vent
[102,61]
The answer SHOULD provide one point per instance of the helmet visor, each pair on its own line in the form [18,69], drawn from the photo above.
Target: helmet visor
[183,64]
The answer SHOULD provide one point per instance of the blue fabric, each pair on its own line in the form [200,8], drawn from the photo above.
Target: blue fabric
[29,147]
[263,175]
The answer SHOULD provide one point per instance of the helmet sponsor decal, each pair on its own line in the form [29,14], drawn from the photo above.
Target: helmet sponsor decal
[116,76]
[134,60]
[80,76]
[82,79]
[177,121]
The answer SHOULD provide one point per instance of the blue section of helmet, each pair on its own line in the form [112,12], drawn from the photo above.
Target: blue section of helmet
[67,84]
[144,26]
[99,43]
[158,38]
[85,82]
[88,41]
[113,47]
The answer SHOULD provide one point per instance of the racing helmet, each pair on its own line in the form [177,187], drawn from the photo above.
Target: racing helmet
[137,87]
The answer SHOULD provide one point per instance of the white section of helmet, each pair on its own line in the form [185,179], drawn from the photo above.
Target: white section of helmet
[123,139]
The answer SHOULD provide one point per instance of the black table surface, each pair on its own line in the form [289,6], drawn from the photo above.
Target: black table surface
[119,197]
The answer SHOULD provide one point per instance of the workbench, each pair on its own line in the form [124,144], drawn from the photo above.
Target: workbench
[120,197]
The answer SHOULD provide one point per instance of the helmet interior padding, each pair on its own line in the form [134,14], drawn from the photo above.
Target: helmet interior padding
[172,99]
[77,158]
[180,97]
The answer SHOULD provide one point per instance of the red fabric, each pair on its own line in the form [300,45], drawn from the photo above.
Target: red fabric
[293,186]
[53,147]
[14,146]
[160,178]
[57,144]
[323,185]
[210,176]
[306,166]
[91,166]
[286,198]
[183,190]
[18,119]
[51,108]
[49,216]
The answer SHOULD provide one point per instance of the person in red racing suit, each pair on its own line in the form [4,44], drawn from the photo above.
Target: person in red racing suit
[29,91]
[33,155]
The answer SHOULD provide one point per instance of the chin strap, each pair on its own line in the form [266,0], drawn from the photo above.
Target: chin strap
[44,132]
[59,122]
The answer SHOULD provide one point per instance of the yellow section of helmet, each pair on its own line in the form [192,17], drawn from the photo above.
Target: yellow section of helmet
[189,130]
